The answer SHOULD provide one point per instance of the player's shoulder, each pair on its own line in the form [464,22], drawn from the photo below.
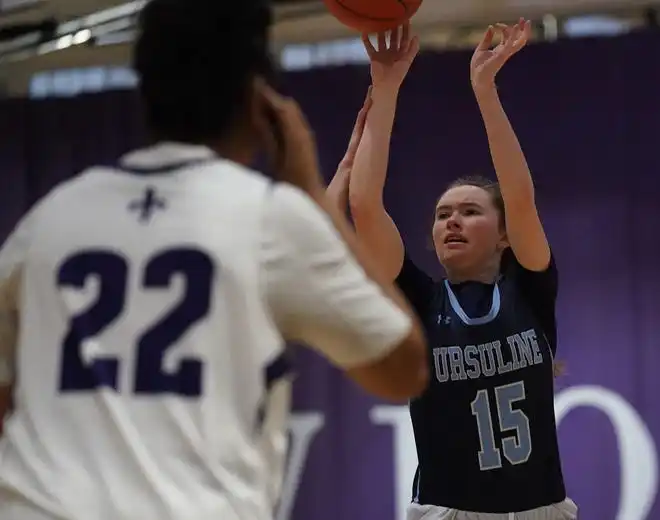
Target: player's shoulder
[295,213]
[220,173]
[56,205]
[228,186]
[82,181]
[294,222]
[59,194]
[289,200]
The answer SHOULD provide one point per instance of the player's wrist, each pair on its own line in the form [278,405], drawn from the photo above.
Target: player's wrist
[486,92]
[385,93]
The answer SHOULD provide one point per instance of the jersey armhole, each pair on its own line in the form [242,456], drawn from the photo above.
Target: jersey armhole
[539,291]
[417,286]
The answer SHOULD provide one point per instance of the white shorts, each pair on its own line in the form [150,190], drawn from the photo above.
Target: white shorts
[566,510]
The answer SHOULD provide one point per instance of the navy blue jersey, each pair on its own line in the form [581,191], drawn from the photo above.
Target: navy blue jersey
[485,427]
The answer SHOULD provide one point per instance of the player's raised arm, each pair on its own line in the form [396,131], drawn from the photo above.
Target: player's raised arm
[12,256]
[323,289]
[338,188]
[8,329]
[376,230]
[8,340]
[524,229]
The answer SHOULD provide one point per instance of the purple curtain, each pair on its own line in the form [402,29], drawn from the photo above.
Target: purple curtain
[588,116]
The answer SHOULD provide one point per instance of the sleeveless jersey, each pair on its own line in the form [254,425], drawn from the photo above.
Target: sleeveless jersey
[485,428]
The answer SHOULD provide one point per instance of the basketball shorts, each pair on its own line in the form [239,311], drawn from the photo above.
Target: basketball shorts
[566,510]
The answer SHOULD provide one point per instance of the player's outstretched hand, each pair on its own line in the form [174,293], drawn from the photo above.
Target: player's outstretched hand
[487,61]
[391,61]
[289,140]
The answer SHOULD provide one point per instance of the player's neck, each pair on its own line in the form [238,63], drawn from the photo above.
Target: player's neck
[236,149]
[485,274]
[239,154]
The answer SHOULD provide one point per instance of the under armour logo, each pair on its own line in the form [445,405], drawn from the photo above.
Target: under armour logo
[444,320]
[147,205]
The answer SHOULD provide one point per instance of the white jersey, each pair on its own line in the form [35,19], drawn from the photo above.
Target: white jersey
[151,379]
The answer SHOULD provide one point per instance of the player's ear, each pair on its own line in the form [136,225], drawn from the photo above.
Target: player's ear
[503,242]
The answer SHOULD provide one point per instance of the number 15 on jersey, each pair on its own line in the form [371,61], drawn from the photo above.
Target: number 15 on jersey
[513,425]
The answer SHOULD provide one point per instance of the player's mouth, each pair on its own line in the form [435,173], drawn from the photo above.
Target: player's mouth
[455,241]
[455,238]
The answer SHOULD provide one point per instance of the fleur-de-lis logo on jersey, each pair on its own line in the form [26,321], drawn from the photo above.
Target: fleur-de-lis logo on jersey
[146,206]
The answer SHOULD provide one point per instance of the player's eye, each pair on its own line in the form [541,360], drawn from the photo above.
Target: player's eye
[471,212]
[442,215]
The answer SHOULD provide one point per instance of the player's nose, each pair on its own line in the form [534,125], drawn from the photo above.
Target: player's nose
[453,222]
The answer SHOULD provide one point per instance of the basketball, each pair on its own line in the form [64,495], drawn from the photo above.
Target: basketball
[370,16]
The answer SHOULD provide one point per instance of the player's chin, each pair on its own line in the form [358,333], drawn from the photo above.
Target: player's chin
[456,258]
[456,252]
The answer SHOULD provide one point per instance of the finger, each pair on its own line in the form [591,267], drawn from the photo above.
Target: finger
[266,116]
[405,36]
[368,100]
[382,41]
[527,30]
[523,26]
[502,28]
[413,48]
[512,37]
[360,122]
[276,101]
[279,117]
[523,35]
[487,39]
[396,39]
[367,104]
[505,33]
[362,115]
[356,134]
[369,47]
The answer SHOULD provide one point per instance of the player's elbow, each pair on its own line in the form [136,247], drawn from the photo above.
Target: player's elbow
[401,375]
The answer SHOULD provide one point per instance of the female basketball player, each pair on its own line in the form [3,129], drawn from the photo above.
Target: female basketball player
[485,428]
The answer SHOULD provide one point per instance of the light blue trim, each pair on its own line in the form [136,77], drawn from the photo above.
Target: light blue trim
[492,314]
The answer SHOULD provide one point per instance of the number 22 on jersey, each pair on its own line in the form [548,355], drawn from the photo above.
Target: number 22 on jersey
[111,269]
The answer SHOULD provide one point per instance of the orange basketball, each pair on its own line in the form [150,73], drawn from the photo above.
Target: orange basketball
[370,16]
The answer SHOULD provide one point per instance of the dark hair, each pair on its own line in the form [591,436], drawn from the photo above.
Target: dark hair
[491,187]
[196,60]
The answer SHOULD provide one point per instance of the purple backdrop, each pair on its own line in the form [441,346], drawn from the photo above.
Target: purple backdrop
[588,115]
